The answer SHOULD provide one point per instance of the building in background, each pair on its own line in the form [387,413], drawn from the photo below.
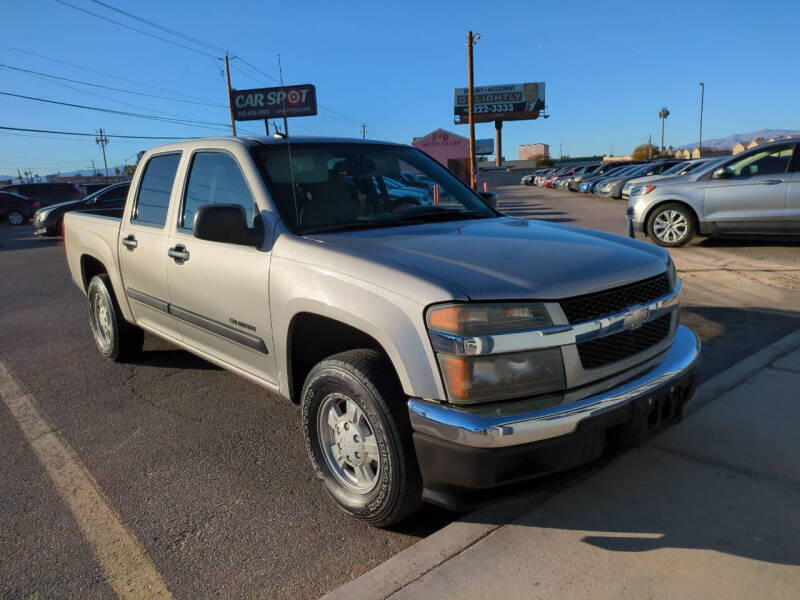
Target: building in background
[533,151]
[444,146]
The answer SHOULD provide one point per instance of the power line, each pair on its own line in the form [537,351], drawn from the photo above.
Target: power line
[190,122]
[106,87]
[111,135]
[162,27]
[152,35]
[147,85]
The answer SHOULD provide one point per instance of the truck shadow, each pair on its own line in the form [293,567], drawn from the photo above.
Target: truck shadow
[169,357]
[749,241]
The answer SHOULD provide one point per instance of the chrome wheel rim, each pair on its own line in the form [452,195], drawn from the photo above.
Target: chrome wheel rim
[100,320]
[348,443]
[15,218]
[670,226]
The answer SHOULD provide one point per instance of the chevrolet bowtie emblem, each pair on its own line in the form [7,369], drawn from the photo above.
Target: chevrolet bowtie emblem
[636,316]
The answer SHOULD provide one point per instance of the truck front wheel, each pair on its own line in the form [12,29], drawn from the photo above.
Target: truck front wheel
[116,339]
[358,437]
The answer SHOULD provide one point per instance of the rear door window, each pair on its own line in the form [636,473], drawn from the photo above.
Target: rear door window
[155,189]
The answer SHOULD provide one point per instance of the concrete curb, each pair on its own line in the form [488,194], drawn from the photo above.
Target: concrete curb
[424,556]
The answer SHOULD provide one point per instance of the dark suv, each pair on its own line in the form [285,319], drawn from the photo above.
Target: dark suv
[46,193]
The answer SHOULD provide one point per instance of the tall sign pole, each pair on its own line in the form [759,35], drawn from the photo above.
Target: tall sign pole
[471,108]
[498,143]
[228,78]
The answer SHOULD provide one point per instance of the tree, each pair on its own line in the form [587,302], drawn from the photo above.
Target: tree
[645,152]
[544,161]
[663,114]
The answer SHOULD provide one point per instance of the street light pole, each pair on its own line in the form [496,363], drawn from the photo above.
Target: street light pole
[702,98]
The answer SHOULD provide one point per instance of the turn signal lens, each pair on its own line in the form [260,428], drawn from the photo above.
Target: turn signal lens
[485,319]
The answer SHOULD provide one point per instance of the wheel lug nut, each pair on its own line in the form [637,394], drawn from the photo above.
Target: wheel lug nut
[346,426]
[355,439]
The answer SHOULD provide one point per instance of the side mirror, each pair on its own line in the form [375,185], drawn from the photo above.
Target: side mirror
[226,223]
[720,173]
[490,197]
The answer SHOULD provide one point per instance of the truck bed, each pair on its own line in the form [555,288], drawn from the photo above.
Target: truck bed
[92,235]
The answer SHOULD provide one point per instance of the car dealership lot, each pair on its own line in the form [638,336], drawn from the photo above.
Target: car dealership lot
[209,472]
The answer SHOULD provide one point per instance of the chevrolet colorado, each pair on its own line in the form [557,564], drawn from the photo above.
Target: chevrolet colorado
[435,346]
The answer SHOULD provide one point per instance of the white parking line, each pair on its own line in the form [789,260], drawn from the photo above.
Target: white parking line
[126,565]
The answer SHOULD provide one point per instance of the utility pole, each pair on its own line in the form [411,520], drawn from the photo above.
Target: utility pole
[19,176]
[649,146]
[363,131]
[94,168]
[471,107]
[560,152]
[228,79]
[702,97]
[102,141]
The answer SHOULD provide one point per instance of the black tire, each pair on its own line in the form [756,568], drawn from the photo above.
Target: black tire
[16,218]
[365,378]
[116,339]
[675,212]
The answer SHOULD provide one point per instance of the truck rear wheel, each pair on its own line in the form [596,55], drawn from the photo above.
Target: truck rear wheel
[116,339]
[358,437]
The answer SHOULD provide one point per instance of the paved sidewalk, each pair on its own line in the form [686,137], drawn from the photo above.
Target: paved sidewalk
[710,509]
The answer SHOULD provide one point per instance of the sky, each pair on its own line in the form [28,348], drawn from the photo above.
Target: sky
[609,67]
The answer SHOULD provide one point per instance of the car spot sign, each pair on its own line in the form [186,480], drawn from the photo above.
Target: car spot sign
[270,103]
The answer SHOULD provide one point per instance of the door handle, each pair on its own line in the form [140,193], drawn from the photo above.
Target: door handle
[179,254]
[773,181]
[130,242]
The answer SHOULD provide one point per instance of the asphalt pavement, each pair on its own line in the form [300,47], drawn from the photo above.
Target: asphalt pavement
[209,471]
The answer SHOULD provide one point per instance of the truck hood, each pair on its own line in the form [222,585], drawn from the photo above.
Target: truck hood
[507,258]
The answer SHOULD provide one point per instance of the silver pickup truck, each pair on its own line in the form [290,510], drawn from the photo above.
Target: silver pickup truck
[435,347]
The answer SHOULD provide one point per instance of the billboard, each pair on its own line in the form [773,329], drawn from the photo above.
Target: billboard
[484,147]
[268,103]
[509,102]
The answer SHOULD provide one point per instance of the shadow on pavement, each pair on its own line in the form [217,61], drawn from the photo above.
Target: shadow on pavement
[748,241]
[173,358]
[22,238]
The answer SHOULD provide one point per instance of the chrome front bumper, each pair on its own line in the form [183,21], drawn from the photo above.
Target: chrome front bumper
[491,426]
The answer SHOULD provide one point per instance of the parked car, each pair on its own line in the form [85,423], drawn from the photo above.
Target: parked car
[109,200]
[682,168]
[604,170]
[539,179]
[585,171]
[613,187]
[423,366]
[16,209]
[46,193]
[590,185]
[757,191]
[529,179]
[91,188]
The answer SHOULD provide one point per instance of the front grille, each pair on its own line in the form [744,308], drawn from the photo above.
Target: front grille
[619,346]
[608,302]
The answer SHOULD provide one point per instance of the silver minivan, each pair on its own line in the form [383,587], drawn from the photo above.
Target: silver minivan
[757,191]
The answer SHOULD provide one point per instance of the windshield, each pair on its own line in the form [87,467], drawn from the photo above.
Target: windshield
[334,186]
[677,168]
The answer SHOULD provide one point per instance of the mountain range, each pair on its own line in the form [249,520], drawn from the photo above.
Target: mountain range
[735,138]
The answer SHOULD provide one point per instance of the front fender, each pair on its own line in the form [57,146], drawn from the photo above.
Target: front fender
[394,321]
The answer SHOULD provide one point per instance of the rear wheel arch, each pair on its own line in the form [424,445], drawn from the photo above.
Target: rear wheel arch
[90,266]
[312,338]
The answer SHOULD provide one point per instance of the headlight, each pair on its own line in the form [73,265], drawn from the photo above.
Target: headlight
[470,377]
[672,273]
[641,190]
